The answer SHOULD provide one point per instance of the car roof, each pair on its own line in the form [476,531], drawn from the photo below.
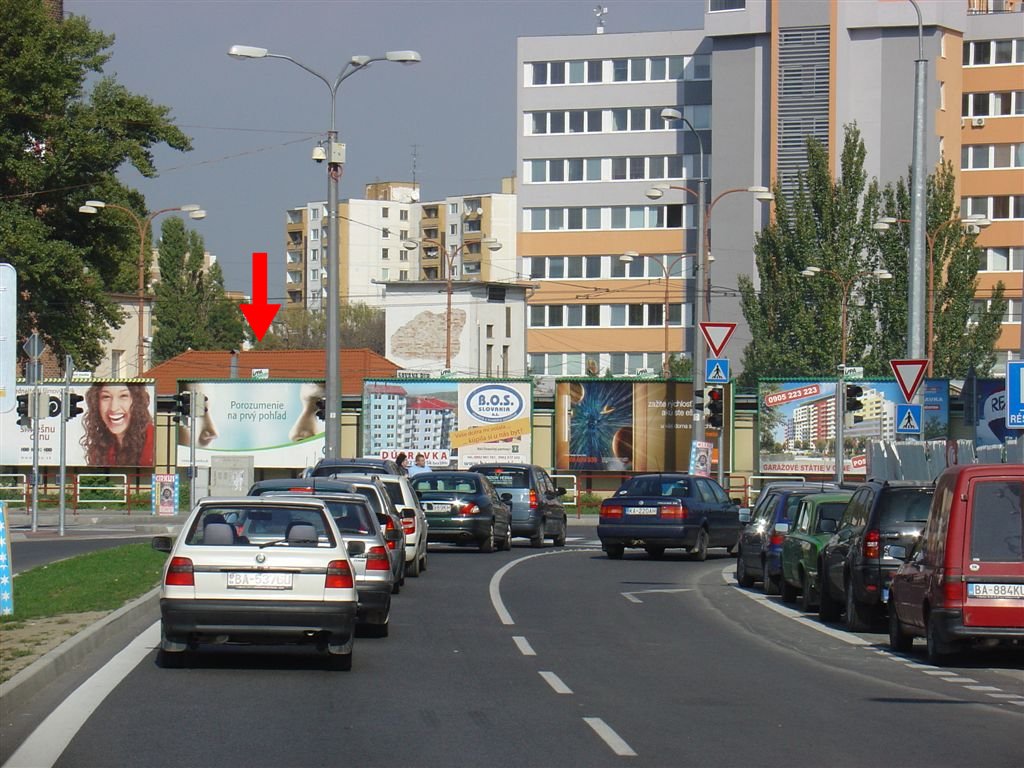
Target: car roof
[256,501]
[262,487]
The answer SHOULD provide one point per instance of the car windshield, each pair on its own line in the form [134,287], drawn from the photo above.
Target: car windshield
[507,478]
[435,481]
[257,526]
[997,524]
[905,505]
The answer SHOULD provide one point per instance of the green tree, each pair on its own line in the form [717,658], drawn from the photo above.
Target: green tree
[60,146]
[191,309]
[360,326]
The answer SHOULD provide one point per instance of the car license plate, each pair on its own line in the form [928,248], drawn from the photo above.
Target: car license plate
[641,510]
[996,590]
[260,580]
[438,507]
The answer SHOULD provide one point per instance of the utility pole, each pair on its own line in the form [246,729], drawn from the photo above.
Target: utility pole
[65,407]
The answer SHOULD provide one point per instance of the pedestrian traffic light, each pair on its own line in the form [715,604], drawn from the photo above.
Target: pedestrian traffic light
[716,407]
[74,406]
[853,394]
[24,419]
[698,399]
[321,409]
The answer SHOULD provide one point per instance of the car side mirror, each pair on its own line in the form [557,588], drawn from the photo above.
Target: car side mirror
[162,543]
[560,491]
[897,551]
[826,525]
[356,548]
[782,528]
[744,516]
[738,502]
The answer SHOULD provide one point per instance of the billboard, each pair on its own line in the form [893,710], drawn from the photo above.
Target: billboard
[620,425]
[115,428]
[989,412]
[797,423]
[465,422]
[273,421]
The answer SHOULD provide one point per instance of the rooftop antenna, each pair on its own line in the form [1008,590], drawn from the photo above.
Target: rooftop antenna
[415,148]
[600,12]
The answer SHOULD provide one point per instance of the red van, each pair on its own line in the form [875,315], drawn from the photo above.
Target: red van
[964,578]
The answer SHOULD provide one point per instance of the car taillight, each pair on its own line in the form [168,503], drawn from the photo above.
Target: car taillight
[953,592]
[468,510]
[673,512]
[611,512]
[377,559]
[390,527]
[776,539]
[179,573]
[339,575]
[872,548]
[409,525]
[533,499]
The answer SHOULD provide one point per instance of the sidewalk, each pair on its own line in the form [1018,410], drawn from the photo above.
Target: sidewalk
[19,523]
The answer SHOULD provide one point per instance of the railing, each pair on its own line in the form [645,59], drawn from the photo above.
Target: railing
[571,487]
[19,488]
[120,489]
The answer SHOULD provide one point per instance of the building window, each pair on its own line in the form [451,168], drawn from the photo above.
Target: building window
[116,356]
[403,215]
[384,213]
[384,253]
[403,255]
[314,254]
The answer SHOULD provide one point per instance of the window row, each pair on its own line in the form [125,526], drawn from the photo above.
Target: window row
[597,267]
[594,363]
[403,214]
[980,156]
[1001,259]
[980,53]
[1011,315]
[997,104]
[652,167]
[640,69]
[403,255]
[615,119]
[605,316]
[614,217]
[994,208]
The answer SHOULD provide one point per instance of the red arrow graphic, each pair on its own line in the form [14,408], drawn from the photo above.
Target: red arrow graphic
[259,314]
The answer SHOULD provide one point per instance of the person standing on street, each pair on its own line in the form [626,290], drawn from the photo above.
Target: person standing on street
[419,466]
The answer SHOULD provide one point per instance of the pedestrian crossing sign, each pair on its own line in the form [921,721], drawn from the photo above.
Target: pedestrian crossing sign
[908,419]
[716,371]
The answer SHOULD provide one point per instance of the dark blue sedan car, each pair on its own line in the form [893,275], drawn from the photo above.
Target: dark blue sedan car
[662,511]
[464,508]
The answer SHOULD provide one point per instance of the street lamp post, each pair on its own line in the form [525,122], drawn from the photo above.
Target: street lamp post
[448,258]
[142,225]
[845,285]
[931,238]
[666,270]
[335,160]
[915,286]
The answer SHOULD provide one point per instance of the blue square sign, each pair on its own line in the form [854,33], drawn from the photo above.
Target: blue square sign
[1015,395]
[908,419]
[716,370]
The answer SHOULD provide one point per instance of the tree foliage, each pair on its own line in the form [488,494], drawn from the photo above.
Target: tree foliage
[360,326]
[191,309]
[60,146]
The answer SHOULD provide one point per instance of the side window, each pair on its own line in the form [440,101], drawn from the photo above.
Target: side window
[706,493]
[720,495]
[996,522]
[853,510]
[801,517]
[768,508]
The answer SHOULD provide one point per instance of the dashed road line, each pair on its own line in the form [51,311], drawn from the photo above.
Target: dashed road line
[610,737]
[556,683]
[524,646]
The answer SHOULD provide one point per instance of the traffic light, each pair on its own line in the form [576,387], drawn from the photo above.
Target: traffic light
[24,419]
[321,409]
[698,399]
[853,394]
[54,406]
[716,407]
[182,406]
[74,406]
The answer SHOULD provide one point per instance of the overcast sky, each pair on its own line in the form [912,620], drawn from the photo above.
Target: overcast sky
[254,123]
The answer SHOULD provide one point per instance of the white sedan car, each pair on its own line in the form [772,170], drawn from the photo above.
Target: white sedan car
[265,570]
[414,521]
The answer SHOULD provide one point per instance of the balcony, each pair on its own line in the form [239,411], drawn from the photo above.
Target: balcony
[983,7]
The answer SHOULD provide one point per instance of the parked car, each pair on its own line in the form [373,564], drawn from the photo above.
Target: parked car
[669,510]
[537,509]
[856,563]
[964,579]
[368,551]
[328,467]
[414,521]
[759,546]
[817,518]
[287,580]
[464,508]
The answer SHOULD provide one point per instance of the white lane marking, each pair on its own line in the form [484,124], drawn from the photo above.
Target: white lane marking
[631,596]
[555,682]
[957,679]
[610,737]
[495,586]
[524,646]
[49,740]
[983,688]
[1016,696]
[935,672]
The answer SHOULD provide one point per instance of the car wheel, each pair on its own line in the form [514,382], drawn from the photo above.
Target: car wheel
[807,601]
[537,540]
[423,561]
[341,662]
[506,543]
[828,608]
[744,578]
[487,544]
[614,551]
[770,583]
[700,549]
[858,617]
[396,588]
[655,552]
[560,538]
[788,591]
[937,652]
[413,568]
[899,640]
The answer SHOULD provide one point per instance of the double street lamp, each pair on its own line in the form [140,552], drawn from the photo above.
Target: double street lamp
[142,224]
[845,283]
[449,257]
[335,159]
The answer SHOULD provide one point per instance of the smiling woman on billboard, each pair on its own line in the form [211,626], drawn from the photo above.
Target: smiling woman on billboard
[118,426]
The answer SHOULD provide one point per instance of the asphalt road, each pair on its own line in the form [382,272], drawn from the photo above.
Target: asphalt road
[563,658]
[30,553]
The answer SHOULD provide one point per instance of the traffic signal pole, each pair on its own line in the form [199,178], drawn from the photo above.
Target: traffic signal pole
[840,421]
[65,414]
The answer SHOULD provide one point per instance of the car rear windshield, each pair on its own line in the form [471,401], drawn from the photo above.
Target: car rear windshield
[997,525]
[507,478]
[656,486]
[350,517]
[435,481]
[905,505]
[831,511]
[256,526]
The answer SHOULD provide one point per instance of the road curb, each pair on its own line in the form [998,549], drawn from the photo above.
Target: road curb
[15,692]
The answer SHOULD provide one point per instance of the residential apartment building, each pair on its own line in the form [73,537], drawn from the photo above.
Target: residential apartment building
[754,83]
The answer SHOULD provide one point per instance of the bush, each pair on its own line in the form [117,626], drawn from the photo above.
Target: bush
[589,503]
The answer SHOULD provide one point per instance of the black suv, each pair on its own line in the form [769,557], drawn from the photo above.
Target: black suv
[855,567]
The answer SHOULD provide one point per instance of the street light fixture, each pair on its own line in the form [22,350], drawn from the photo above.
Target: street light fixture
[448,258]
[93,207]
[335,160]
[666,271]
[845,285]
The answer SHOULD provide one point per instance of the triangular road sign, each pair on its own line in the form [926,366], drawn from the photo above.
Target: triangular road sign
[717,335]
[909,374]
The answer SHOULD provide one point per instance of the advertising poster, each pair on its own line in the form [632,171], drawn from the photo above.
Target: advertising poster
[700,458]
[115,429]
[990,410]
[797,423]
[621,425]
[273,421]
[453,423]
[166,493]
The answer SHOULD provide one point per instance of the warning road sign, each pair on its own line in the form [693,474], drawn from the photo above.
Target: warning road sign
[908,419]
[717,335]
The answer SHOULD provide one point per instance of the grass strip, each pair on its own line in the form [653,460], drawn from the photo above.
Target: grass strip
[98,581]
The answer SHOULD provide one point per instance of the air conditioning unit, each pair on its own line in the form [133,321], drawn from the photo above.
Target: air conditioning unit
[978,122]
